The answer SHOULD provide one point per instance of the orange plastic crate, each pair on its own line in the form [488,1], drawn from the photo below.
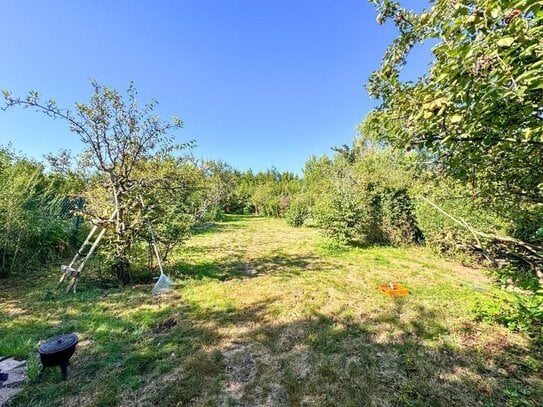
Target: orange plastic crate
[395,291]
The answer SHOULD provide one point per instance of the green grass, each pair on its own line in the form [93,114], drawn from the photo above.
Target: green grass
[266,314]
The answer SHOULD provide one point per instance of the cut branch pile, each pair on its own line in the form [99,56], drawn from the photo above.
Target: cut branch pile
[501,250]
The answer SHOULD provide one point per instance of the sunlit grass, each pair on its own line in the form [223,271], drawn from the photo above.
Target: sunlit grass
[266,314]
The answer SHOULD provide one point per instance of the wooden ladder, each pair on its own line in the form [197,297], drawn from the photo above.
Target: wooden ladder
[77,264]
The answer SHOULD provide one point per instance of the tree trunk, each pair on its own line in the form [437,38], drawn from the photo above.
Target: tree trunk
[121,269]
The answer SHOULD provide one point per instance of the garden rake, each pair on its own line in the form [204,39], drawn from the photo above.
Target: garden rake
[77,264]
[164,283]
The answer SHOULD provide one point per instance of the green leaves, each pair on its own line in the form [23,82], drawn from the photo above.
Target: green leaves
[478,109]
[456,118]
[505,42]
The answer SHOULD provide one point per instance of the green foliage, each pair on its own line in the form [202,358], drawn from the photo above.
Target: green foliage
[266,198]
[398,218]
[230,191]
[298,212]
[442,233]
[371,218]
[181,194]
[528,225]
[524,314]
[348,218]
[272,192]
[35,217]
[477,112]
[362,196]
[219,183]
[120,138]
[240,198]
[476,118]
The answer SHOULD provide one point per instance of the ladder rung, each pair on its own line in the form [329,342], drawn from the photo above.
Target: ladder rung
[68,270]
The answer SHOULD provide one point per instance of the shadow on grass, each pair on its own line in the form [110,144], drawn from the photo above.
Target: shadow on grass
[229,223]
[240,268]
[137,351]
[387,359]
[119,349]
[240,218]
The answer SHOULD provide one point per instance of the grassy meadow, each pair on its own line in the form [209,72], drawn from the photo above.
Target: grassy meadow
[270,315]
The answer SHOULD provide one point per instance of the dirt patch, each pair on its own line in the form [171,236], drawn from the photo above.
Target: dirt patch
[240,365]
[249,269]
[300,363]
[253,373]
[165,325]
[241,370]
[290,337]
[388,363]
[277,397]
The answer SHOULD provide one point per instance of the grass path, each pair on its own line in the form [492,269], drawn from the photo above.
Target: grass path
[268,315]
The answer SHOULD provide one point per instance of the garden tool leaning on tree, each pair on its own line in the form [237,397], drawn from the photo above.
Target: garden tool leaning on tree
[77,264]
[164,283]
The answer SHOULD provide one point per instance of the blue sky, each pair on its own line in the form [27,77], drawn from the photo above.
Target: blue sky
[258,83]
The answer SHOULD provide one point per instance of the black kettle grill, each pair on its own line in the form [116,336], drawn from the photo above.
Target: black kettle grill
[57,351]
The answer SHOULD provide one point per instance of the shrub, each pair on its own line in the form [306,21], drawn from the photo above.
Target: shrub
[349,218]
[528,224]
[298,212]
[35,228]
[374,217]
[361,196]
[524,314]
[399,224]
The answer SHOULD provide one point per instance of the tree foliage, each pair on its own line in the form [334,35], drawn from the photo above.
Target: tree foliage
[120,139]
[478,111]
[362,195]
[476,114]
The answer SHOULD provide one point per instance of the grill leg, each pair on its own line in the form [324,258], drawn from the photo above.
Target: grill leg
[64,371]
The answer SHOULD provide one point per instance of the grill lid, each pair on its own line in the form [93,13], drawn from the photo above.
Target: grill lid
[58,343]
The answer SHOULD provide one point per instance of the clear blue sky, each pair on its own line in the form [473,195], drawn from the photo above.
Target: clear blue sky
[258,83]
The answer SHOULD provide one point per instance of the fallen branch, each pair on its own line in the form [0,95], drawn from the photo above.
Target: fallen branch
[534,250]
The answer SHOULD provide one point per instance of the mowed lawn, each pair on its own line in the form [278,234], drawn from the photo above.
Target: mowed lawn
[270,315]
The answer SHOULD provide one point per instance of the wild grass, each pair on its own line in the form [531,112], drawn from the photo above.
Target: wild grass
[267,314]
